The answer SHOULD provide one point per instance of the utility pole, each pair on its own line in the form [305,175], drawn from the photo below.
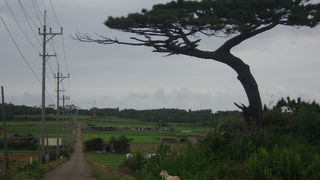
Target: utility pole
[5,140]
[45,57]
[64,98]
[59,78]
[94,109]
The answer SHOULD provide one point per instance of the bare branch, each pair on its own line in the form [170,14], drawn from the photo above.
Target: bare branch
[103,40]
[243,36]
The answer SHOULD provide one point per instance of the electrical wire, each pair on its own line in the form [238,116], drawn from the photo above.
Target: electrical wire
[63,41]
[19,50]
[27,17]
[40,12]
[36,12]
[54,13]
[64,54]
[29,22]
[25,12]
[16,20]
[50,84]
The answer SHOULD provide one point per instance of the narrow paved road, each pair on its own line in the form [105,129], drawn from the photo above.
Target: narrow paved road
[76,168]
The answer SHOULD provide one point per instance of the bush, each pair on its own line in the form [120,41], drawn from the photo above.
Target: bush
[95,144]
[307,123]
[276,117]
[120,144]
[27,171]
[313,170]
[193,164]
[280,163]
[134,163]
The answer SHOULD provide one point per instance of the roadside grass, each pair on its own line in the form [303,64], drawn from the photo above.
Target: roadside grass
[111,160]
[33,171]
[102,172]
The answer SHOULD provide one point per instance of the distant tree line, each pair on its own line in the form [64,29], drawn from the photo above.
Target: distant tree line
[155,115]
[152,115]
[14,110]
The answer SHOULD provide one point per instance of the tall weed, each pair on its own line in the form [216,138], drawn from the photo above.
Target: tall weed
[280,163]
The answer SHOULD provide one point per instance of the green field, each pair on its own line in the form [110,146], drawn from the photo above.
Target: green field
[110,160]
[33,127]
[180,129]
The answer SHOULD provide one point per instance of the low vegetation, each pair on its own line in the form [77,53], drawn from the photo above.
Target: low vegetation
[102,171]
[285,147]
[30,171]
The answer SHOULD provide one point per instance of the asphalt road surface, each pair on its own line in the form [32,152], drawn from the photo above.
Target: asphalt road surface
[76,168]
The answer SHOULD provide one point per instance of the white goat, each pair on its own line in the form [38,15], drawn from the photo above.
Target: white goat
[164,174]
[129,155]
[150,155]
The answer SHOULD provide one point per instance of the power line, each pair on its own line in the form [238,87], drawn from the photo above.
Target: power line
[42,3]
[54,13]
[50,98]
[40,12]
[16,20]
[25,12]
[64,54]
[27,17]
[36,12]
[51,43]
[19,50]
[63,42]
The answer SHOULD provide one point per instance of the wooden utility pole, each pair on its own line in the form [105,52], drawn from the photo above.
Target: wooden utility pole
[64,98]
[59,78]
[94,109]
[5,140]
[45,57]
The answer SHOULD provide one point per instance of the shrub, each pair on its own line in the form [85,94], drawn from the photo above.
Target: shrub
[134,163]
[120,144]
[313,170]
[32,170]
[280,163]
[276,117]
[307,122]
[95,144]
[28,171]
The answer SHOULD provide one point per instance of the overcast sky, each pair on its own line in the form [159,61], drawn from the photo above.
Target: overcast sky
[284,61]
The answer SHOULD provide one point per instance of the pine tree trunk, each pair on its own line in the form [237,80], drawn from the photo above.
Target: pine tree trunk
[253,112]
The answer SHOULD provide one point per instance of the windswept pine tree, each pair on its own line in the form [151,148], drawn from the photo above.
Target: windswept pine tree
[178,26]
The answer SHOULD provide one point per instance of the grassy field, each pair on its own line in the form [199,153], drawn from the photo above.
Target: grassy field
[110,160]
[102,171]
[142,141]
[33,127]
[107,163]
[180,129]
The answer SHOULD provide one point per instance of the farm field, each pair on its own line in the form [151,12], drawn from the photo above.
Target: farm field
[31,125]
[25,125]
[144,141]
[110,160]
